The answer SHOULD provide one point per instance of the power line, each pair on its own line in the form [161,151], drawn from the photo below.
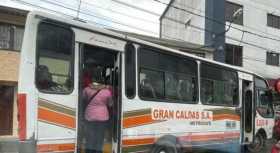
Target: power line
[140,19]
[116,22]
[215,20]
[232,38]
[123,14]
[135,7]
[199,28]
[246,26]
[102,18]
[118,29]
[64,14]
[113,11]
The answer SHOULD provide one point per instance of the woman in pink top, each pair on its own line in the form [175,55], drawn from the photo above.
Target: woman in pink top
[99,97]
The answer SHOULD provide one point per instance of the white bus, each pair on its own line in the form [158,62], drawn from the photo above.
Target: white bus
[165,100]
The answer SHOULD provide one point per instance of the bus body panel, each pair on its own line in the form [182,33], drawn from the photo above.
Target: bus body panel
[26,79]
[51,119]
[193,125]
[265,124]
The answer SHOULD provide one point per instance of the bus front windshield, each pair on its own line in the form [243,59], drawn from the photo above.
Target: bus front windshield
[263,98]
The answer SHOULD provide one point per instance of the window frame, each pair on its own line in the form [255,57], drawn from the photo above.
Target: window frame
[158,70]
[256,89]
[234,21]
[224,68]
[234,52]
[12,48]
[271,23]
[134,71]
[72,58]
[270,63]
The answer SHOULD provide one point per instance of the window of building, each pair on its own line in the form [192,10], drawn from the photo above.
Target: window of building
[218,86]
[11,36]
[55,59]
[272,58]
[167,77]
[130,72]
[230,10]
[273,21]
[234,55]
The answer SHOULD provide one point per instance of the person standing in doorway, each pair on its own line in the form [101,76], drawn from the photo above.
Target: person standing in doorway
[99,97]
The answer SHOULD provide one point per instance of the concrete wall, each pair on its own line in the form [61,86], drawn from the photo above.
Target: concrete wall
[254,19]
[181,31]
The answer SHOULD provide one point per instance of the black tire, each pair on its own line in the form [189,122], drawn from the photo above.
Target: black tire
[258,145]
[166,147]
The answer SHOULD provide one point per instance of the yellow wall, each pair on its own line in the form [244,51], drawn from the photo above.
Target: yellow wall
[9,66]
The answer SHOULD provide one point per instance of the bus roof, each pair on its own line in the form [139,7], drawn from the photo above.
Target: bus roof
[90,27]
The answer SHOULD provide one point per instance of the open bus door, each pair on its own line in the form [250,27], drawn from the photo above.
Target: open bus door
[117,105]
[248,108]
[100,64]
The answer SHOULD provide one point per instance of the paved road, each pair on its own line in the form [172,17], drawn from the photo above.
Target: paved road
[268,146]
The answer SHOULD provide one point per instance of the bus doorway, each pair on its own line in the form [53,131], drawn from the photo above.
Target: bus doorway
[99,102]
[248,117]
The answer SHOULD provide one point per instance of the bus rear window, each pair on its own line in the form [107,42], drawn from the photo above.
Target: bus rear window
[54,59]
[218,86]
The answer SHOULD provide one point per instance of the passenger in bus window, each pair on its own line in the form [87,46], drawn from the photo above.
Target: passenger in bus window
[147,89]
[99,97]
[207,91]
[235,97]
[44,78]
[185,90]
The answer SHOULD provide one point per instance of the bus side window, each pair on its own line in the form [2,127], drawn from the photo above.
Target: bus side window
[151,84]
[54,69]
[167,77]
[218,86]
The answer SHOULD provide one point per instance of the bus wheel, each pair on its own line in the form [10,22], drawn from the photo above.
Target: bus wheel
[258,145]
[165,148]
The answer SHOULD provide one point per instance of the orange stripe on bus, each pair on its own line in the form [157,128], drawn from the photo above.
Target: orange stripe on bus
[57,118]
[226,116]
[214,136]
[70,147]
[137,121]
[195,138]
[147,119]
[143,141]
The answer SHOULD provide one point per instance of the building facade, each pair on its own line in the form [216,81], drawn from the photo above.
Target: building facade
[12,23]
[243,33]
